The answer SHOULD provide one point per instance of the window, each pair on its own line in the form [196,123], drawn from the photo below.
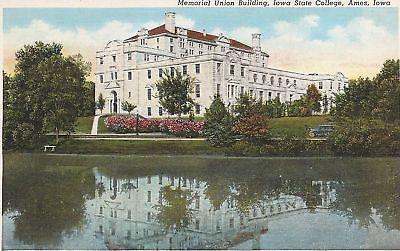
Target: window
[184,69]
[261,95]
[171,40]
[160,111]
[278,96]
[232,89]
[101,60]
[149,177]
[294,83]
[330,88]
[158,40]
[272,80]
[160,73]
[129,214]
[279,81]
[231,223]
[149,74]
[148,196]
[129,75]
[264,79]
[116,75]
[197,90]
[148,216]
[148,111]
[242,90]
[101,79]
[197,67]
[228,90]
[320,85]
[129,94]
[338,87]
[200,53]
[232,69]
[172,71]
[218,89]
[222,49]
[290,97]
[171,48]
[251,92]
[142,41]
[129,56]
[242,71]
[269,95]
[255,78]
[197,109]
[114,58]
[112,75]
[101,210]
[287,82]
[197,224]
[149,94]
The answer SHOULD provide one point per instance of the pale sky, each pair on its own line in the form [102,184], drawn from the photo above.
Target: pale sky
[355,41]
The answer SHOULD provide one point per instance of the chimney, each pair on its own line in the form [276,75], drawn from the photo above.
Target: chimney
[170,21]
[256,41]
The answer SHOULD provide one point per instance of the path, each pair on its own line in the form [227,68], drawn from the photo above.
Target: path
[95,125]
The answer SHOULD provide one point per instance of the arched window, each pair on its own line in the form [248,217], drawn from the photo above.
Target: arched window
[287,82]
[264,79]
[279,81]
[272,80]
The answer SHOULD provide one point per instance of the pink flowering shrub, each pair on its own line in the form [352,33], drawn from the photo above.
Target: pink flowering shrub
[180,128]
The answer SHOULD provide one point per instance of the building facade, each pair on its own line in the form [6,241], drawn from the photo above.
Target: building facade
[128,70]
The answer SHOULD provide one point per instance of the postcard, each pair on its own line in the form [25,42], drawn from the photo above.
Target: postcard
[201,124]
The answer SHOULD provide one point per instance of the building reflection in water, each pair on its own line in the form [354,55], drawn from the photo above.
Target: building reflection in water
[126,214]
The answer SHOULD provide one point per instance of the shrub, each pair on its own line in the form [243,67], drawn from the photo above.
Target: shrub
[253,128]
[289,146]
[219,123]
[363,137]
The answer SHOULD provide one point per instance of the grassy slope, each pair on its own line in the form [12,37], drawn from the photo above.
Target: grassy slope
[295,126]
[102,126]
[137,147]
[84,125]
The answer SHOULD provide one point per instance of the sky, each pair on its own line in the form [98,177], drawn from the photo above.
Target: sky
[355,41]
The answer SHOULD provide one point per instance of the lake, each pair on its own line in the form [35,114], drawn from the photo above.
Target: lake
[192,202]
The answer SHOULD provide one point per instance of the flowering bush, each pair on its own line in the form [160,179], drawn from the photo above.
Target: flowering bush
[180,128]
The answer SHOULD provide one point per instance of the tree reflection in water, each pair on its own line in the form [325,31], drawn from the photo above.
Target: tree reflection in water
[174,211]
[46,203]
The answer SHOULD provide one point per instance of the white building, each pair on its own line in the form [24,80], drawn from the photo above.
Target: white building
[128,70]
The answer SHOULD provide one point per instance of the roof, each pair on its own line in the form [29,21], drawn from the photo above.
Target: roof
[196,35]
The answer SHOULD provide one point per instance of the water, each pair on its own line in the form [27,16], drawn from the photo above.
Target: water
[128,202]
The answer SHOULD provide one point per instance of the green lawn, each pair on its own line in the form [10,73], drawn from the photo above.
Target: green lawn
[102,125]
[295,126]
[84,125]
[138,147]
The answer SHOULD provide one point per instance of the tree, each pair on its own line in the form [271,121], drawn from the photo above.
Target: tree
[89,104]
[247,105]
[174,92]
[274,108]
[253,128]
[313,98]
[100,103]
[218,127]
[64,90]
[46,92]
[126,106]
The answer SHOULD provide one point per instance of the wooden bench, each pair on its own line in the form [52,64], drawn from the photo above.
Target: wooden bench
[51,148]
